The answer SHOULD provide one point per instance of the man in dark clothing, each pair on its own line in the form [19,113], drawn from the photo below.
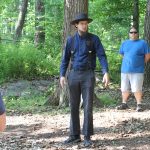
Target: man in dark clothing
[81,51]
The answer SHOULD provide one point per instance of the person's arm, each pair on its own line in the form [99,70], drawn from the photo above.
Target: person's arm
[65,62]
[103,60]
[2,122]
[2,115]
[147,58]
[146,51]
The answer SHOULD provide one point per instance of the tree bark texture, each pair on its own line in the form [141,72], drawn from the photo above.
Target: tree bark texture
[39,23]
[21,19]
[147,38]
[136,14]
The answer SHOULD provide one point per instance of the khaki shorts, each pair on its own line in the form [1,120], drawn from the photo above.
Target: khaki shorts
[132,82]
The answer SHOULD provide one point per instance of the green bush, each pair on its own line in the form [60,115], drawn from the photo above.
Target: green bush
[25,61]
[114,61]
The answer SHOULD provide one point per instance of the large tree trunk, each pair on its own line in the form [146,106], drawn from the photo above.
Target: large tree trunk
[136,14]
[71,9]
[21,19]
[147,38]
[39,23]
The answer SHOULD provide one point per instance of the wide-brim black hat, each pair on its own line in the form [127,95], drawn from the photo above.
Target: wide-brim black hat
[81,17]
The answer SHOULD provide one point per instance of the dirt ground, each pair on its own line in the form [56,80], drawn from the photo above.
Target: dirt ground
[114,130]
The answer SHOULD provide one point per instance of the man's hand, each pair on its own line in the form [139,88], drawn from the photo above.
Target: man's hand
[62,81]
[106,79]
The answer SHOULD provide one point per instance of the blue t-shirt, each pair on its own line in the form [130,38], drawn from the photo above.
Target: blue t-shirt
[133,52]
[2,107]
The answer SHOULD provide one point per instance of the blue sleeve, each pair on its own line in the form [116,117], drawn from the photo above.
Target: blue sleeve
[101,54]
[2,107]
[65,58]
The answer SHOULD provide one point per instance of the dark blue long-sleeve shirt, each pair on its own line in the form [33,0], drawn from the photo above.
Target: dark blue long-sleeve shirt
[81,50]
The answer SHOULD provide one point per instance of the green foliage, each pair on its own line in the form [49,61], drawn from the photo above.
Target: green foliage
[34,104]
[113,18]
[111,12]
[111,21]
[29,105]
[25,61]
[54,27]
[107,100]
[114,61]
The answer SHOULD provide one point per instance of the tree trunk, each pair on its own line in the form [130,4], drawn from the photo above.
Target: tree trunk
[39,23]
[21,19]
[136,14]
[71,9]
[147,38]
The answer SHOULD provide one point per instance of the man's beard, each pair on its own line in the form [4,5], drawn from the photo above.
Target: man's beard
[82,33]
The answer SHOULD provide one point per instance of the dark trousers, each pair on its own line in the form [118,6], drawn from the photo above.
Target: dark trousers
[81,82]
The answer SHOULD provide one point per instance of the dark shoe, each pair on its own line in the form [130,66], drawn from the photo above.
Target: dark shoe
[87,141]
[123,106]
[72,139]
[139,108]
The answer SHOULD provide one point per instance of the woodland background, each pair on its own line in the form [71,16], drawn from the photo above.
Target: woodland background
[33,35]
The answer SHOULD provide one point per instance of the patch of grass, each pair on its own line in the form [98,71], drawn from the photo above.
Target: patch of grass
[107,100]
[23,104]
[33,105]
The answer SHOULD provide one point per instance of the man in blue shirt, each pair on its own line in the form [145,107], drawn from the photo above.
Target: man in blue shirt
[2,115]
[135,54]
[81,51]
